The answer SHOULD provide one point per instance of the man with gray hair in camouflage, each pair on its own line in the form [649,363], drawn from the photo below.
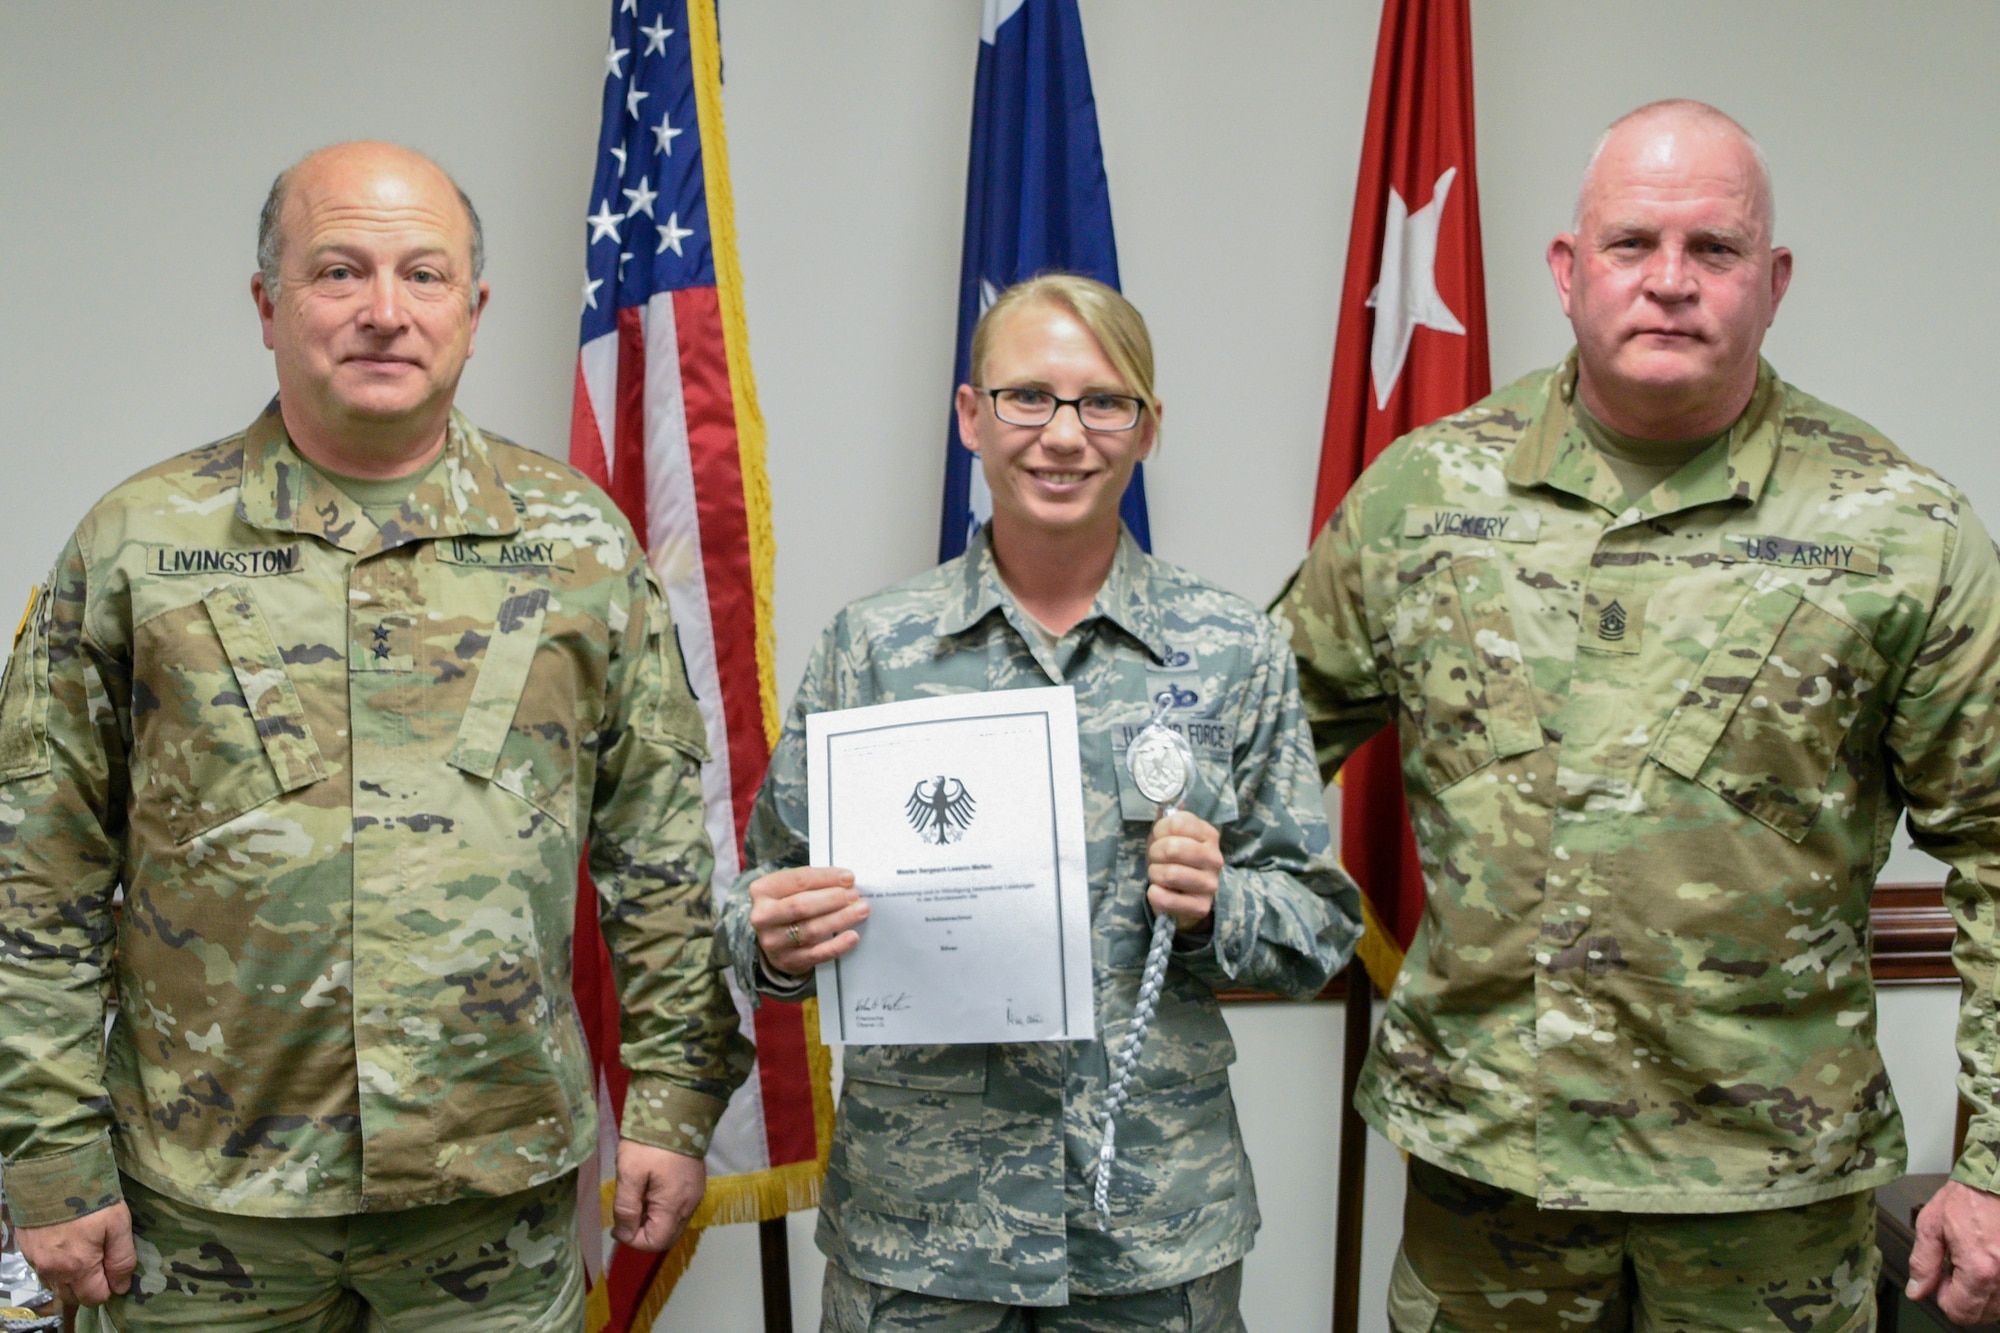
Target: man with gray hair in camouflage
[336,702]
[1670,645]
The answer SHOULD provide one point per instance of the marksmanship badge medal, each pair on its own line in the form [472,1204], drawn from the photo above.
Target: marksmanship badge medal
[1161,764]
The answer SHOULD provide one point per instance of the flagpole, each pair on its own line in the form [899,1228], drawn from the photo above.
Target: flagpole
[775,1255]
[1352,1181]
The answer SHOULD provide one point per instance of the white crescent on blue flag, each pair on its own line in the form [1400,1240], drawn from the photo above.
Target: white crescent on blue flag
[1036,201]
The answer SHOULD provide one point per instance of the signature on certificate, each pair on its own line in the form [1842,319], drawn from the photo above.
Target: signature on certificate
[1023,1018]
[890,1002]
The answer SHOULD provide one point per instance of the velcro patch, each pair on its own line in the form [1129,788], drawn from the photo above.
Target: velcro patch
[245,562]
[1797,554]
[1432,521]
[505,553]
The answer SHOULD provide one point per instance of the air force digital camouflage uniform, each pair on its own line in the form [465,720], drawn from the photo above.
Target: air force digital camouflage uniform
[1655,752]
[343,775]
[961,1171]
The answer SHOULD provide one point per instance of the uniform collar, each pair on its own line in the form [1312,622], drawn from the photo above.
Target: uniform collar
[1555,453]
[280,492]
[1125,599]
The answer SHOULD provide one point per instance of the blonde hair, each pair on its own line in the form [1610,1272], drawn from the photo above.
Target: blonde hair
[1118,327]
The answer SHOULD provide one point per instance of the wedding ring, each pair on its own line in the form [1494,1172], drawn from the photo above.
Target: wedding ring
[793,931]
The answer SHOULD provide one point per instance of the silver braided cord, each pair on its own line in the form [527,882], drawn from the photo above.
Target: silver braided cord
[1162,767]
[1150,983]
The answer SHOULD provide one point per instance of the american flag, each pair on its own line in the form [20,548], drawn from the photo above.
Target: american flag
[665,418]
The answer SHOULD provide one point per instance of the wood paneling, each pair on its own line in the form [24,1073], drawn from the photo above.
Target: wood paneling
[1911,928]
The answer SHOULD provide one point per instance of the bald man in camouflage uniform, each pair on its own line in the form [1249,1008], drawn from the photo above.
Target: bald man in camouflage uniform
[336,702]
[1670,645]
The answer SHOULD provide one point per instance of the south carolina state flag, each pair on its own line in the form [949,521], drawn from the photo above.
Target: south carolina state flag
[665,418]
[1036,201]
[1411,348]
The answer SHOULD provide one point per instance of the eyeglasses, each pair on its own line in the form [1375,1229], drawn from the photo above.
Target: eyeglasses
[1038,407]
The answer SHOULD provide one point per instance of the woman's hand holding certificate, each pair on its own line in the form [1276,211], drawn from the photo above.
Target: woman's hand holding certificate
[805,916]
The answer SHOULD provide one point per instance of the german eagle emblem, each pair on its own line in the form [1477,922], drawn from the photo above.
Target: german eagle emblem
[940,809]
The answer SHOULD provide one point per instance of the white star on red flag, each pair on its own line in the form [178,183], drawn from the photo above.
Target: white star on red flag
[1409,279]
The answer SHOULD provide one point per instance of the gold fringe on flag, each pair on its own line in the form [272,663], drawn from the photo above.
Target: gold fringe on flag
[672,1265]
[1378,950]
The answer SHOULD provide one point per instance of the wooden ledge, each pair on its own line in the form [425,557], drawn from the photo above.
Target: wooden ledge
[1912,933]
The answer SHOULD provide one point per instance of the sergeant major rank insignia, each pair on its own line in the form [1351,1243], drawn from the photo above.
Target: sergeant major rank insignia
[1611,622]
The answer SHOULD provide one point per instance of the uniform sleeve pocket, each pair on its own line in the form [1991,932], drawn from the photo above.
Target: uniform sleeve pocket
[24,697]
[1461,677]
[676,716]
[1763,721]
[538,767]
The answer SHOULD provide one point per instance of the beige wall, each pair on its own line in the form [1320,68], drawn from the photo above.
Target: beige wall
[138,141]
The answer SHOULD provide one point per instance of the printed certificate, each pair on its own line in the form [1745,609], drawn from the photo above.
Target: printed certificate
[961,817]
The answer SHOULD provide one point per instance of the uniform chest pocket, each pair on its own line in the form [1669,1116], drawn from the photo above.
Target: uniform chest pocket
[1763,721]
[218,724]
[1459,673]
[519,731]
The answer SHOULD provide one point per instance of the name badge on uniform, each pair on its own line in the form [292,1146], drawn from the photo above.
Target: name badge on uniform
[1438,521]
[247,562]
[504,553]
[1797,553]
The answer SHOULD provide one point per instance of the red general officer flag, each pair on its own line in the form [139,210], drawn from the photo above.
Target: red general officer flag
[1411,348]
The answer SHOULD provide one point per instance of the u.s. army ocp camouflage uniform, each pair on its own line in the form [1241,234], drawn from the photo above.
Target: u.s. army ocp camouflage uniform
[343,774]
[1654,754]
[960,1171]
[509,1264]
